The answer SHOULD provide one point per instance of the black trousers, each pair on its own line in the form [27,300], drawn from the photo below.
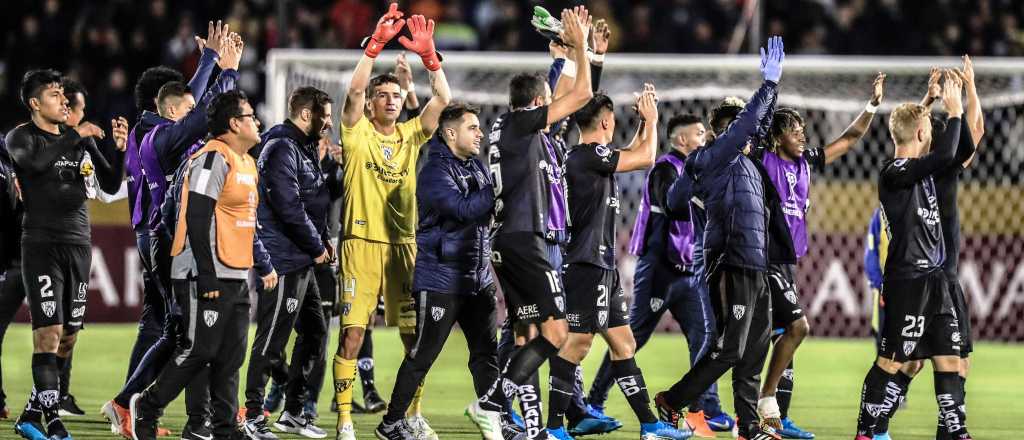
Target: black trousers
[326,284]
[12,293]
[742,306]
[294,303]
[436,314]
[216,333]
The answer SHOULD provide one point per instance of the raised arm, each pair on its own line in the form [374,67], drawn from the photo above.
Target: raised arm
[422,43]
[904,173]
[34,159]
[355,99]
[934,91]
[973,116]
[580,93]
[217,36]
[841,145]
[640,153]
[110,164]
[404,74]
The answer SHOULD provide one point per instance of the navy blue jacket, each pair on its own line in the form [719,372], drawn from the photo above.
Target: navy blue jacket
[455,201]
[733,192]
[294,198]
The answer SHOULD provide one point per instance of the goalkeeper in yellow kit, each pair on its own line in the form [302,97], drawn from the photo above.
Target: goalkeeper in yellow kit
[378,248]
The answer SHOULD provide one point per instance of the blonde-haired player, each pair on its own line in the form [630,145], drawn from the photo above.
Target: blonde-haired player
[378,247]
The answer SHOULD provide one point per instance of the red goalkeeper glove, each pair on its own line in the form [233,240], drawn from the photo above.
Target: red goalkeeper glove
[422,31]
[389,25]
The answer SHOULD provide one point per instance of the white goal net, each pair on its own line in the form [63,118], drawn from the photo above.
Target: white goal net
[829,92]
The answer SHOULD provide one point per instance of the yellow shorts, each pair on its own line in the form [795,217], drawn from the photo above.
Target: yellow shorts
[370,269]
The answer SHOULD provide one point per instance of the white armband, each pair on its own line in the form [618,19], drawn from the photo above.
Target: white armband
[870,108]
[596,57]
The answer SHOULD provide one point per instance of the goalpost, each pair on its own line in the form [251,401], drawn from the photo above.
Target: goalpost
[829,91]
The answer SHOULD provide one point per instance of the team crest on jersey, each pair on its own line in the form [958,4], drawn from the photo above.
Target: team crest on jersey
[291,304]
[602,318]
[48,308]
[82,288]
[345,308]
[656,304]
[908,347]
[48,398]
[602,151]
[790,296]
[210,317]
[388,151]
[437,313]
[560,303]
[738,311]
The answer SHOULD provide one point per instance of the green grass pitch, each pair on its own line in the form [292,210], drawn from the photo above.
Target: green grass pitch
[829,373]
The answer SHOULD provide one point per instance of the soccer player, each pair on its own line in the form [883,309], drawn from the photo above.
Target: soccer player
[293,228]
[735,247]
[453,282]
[160,143]
[378,248]
[919,320]
[47,158]
[212,254]
[524,179]
[789,164]
[12,290]
[972,129]
[663,241]
[595,300]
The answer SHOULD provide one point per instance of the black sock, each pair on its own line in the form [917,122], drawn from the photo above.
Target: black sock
[523,364]
[950,397]
[577,409]
[784,394]
[32,412]
[562,380]
[530,404]
[64,367]
[901,380]
[631,382]
[365,363]
[46,377]
[878,396]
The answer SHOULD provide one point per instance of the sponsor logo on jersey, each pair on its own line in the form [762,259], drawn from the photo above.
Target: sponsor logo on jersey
[82,289]
[78,312]
[345,308]
[437,313]
[738,311]
[956,337]
[48,308]
[528,311]
[210,317]
[291,304]
[790,296]
[245,178]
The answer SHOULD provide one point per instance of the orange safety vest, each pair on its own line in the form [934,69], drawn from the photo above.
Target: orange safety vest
[235,211]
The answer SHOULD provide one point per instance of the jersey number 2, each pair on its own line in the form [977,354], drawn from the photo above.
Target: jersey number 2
[47,290]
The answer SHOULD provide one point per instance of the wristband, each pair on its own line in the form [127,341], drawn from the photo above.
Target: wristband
[569,69]
[596,57]
[372,47]
[871,108]
[404,93]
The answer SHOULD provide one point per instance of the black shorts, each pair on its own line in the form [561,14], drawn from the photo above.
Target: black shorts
[595,299]
[919,319]
[962,312]
[56,282]
[531,285]
[785,301]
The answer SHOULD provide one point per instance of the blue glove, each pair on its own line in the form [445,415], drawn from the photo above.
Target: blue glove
[771,62]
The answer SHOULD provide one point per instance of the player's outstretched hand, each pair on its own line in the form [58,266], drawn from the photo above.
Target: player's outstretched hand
[231,54]
[934,86]
[952,95]
[968,70]
[878,89]
[771,60]
[600,36]
[572,32]
[119,128]
[215,37]
[422,42]
[88,129]
[402,71]
[389,25]
[647,105]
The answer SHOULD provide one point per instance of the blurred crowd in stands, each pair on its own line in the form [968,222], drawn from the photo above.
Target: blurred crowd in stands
[107,43]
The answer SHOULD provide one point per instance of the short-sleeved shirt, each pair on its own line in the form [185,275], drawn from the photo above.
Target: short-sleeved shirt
[380,181]
[792,181]
[206,175]
[593,204]
[521,171]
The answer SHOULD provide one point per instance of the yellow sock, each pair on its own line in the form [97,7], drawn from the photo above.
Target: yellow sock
[344,376]
[414,406]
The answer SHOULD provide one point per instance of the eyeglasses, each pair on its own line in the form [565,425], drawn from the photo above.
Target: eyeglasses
[250,115]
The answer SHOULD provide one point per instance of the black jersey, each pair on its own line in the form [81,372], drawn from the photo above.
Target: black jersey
[10,213]
[910,209]
[593,204]
[947,183]
[52,177]
[521,171]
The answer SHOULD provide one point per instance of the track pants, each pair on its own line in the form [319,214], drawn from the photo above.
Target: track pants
[294,303]
[216,333]
[12,294]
